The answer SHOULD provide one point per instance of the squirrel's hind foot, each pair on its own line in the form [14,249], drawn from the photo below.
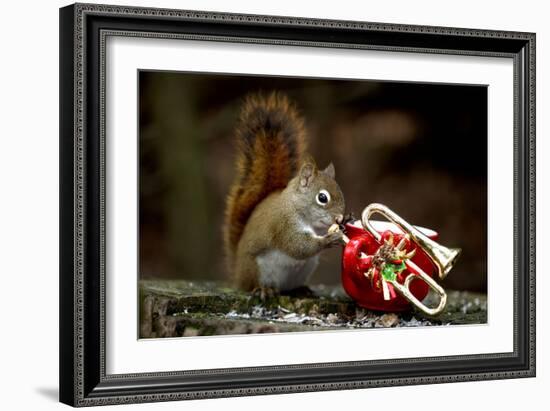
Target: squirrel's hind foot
[264,293]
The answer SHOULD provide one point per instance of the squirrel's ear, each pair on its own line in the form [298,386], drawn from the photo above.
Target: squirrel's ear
[329,171]
[307,173]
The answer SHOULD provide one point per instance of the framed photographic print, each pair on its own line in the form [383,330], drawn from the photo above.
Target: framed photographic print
[262,204]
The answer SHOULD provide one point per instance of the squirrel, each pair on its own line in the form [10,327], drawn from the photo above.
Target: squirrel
[280,205]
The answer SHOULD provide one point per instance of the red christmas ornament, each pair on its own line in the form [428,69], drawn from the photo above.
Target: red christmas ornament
[367,290]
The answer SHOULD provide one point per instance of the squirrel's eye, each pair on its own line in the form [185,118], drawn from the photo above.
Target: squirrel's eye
[323,197]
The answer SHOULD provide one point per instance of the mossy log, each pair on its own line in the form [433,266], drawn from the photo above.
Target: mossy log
[183,308]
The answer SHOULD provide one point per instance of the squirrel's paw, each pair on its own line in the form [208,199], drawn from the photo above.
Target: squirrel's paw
[334,238]
[264,293]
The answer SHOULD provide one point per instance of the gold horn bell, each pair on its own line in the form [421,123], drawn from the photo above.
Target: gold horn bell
[443,258]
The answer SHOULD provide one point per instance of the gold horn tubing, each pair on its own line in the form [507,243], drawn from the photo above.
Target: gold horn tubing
[404,290]
[444,258]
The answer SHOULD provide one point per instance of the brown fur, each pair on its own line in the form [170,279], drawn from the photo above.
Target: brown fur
[270,140]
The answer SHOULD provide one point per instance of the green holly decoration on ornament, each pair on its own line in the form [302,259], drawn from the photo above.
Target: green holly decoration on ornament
[390,271]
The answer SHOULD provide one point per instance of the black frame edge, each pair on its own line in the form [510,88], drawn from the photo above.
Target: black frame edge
[66,204]
[529,184]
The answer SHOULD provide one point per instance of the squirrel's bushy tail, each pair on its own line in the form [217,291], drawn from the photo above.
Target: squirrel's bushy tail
[270,144]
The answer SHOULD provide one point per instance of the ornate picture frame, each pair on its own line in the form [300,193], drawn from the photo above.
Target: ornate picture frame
[84,29]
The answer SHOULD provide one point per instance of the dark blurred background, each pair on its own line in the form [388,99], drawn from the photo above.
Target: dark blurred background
[421,149]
